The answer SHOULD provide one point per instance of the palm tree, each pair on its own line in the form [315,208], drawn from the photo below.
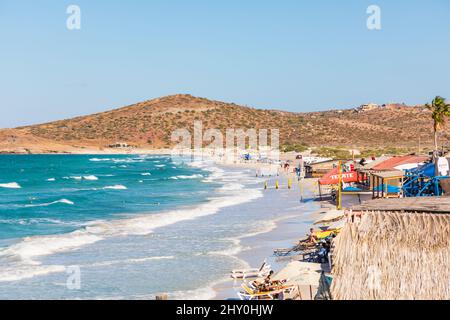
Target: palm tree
[440,110]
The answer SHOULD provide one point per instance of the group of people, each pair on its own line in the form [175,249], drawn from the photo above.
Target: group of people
[267,284]
[324,245]
[298,169]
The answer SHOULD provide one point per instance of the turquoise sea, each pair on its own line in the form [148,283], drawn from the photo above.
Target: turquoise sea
[130,226]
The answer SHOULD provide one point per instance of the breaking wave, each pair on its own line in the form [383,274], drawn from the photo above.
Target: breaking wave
[12,185]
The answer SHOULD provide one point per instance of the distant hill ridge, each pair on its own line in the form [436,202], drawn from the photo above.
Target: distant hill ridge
[149,124]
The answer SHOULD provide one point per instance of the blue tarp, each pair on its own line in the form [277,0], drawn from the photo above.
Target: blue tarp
[428,170]
[352,189]
[390,189]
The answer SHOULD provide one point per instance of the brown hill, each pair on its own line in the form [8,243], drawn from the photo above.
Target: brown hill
[149,125]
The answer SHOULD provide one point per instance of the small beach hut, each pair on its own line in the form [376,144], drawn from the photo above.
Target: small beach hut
[320,168]
[394,249]
[387,184]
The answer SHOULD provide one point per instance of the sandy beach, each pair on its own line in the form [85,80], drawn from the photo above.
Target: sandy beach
[292,220]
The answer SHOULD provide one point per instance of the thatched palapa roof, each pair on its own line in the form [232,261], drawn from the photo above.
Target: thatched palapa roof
[392,255]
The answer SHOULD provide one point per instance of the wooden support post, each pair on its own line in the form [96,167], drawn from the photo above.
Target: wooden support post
[339,200]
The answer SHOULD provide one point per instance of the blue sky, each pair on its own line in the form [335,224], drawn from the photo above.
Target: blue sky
[293,55]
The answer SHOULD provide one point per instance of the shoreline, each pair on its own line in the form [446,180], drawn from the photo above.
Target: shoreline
[294,222]
[284,219]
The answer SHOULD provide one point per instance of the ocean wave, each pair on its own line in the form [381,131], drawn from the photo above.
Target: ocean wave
[18,272]
[146,174]
[100,159]
[231,251]
[74,177]
[91,178]
[51,179]
[116,187]
[79,178]
[118,160]
[203,293]
[40,221]
[11,185]
[63,201]
[184,177]
[128,261]
[232,187]
[141,225]
[206,292]
[32,248]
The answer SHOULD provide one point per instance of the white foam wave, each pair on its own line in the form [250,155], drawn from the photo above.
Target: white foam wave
[129,261]
[73,177]
[35,221]
[87,177]
[232,187]
[146,174]
[51,179]
[116,187]
[117,160]
[184,177]
[11,185]
[233,250]
[19,272]
[91,178]
[205,293]
[140,225]
[32,248]
[64,201]
[100,159]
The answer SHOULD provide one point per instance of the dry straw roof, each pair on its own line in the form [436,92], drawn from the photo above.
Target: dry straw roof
[418,204]
[393,255]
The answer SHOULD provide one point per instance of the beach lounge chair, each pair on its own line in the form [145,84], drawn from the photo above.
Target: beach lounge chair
[262,272]
[320,235]
[282,293]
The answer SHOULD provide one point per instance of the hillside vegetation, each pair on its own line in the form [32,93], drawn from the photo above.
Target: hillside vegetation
[149,124]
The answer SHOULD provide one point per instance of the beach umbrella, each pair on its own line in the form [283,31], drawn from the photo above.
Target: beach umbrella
[300,273]
[331,216]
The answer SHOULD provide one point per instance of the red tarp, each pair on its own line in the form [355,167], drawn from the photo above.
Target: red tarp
[393,162]
[332,177]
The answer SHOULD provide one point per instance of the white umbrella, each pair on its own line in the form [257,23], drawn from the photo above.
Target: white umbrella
[330,216]
[300,273]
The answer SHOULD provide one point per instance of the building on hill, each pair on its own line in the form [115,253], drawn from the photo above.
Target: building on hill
[120,145]
[368,107]
[393,106]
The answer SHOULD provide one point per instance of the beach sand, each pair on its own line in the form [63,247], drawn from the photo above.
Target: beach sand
[293,221]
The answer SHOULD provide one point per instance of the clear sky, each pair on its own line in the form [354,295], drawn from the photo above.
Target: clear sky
[287,54]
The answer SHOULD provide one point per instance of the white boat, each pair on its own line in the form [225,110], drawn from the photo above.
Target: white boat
[252,273]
